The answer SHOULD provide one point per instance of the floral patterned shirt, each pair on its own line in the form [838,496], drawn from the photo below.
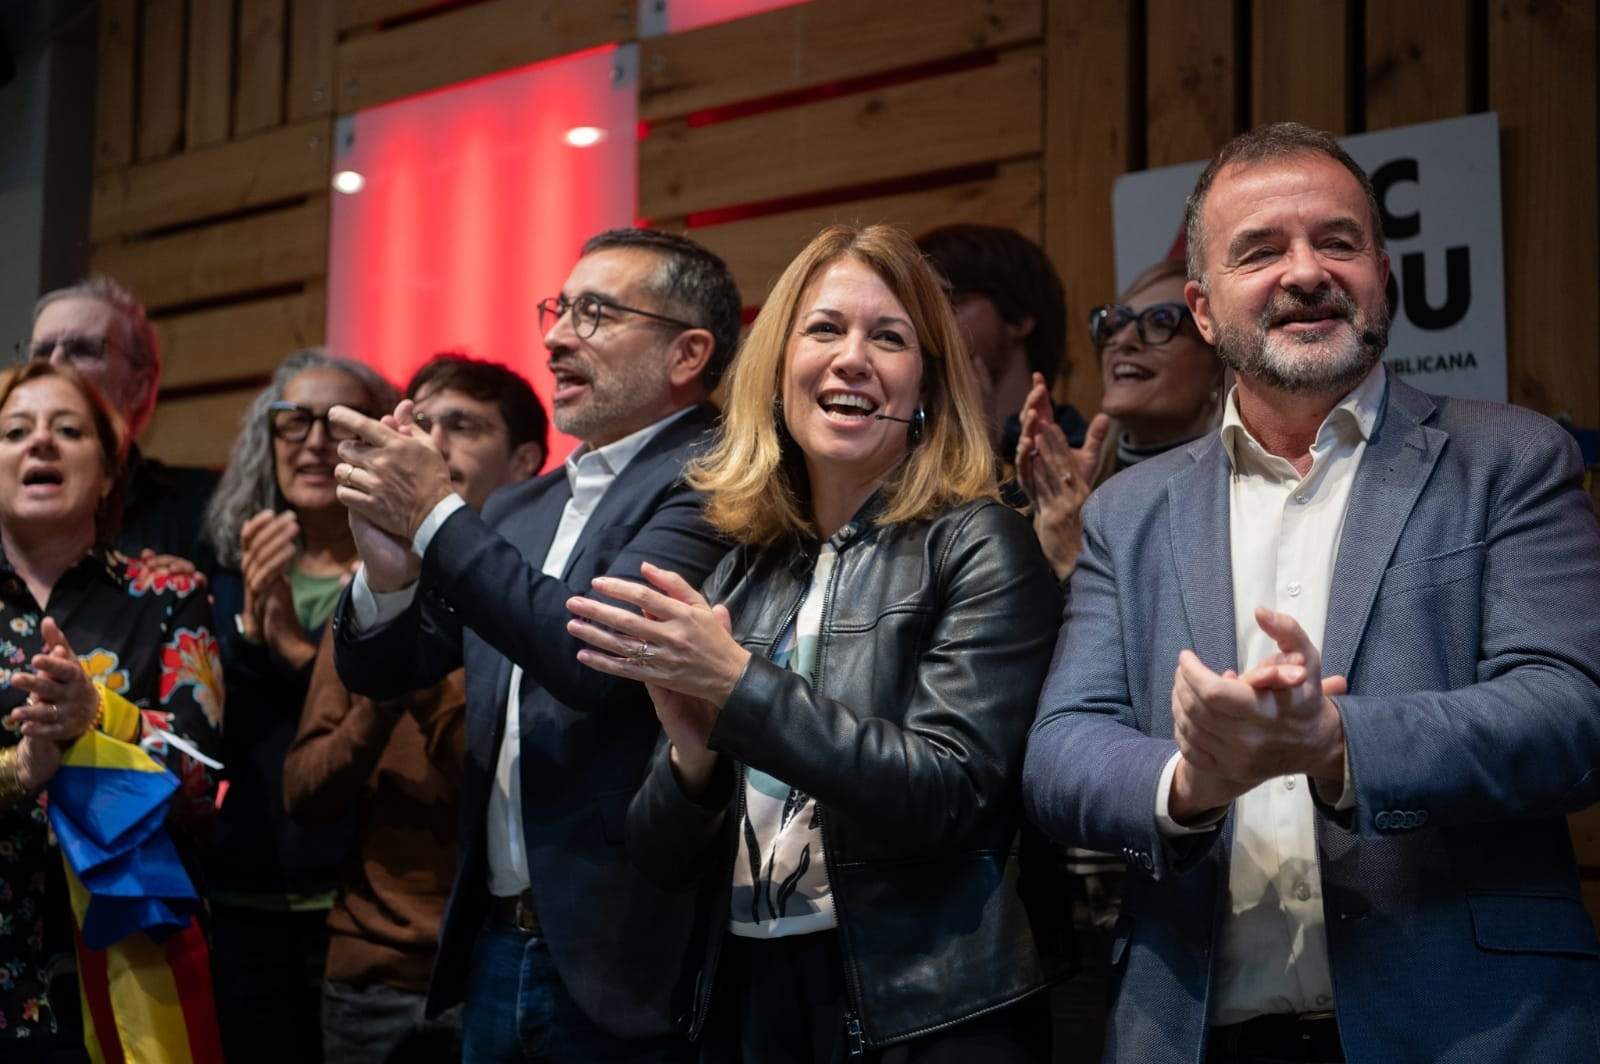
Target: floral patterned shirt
[148,638]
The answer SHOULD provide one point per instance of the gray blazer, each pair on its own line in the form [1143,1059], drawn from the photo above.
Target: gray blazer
[1465,612]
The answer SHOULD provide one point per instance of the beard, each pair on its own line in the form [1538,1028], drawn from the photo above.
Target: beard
[1312,363]
[612,400]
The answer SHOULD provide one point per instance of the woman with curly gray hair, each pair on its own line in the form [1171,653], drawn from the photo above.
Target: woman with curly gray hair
[285,548]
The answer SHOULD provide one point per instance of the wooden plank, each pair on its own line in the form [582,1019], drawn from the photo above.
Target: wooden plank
[248,255]
[812,43]
[1542,82]
[992,113]
[482,39]
[758,249]
[311,42]
[116,89]
[241,339]
[267,168]
[1189,92]
[198,431]
[1298,58]
[161,64]
[258,95]
[354,14]
[1087,144]
[1416,60]
[210,99]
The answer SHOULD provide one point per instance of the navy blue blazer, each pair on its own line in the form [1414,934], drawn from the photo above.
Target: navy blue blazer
[1463,612]
[617,939]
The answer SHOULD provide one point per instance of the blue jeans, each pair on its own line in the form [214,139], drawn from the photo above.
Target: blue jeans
[518,1010]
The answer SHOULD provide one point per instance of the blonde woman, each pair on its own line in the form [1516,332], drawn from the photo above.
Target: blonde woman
[844,728]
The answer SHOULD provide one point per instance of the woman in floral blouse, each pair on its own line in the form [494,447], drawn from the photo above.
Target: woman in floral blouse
[143,635]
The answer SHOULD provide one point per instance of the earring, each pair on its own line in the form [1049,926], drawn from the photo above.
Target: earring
[919,419]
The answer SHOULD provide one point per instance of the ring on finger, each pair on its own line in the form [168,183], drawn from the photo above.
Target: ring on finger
[644,651]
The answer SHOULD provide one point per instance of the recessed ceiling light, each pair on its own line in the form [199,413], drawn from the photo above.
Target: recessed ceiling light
[349,182]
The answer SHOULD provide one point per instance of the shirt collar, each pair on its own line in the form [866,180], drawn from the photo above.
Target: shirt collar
[615,456]
[1357,411]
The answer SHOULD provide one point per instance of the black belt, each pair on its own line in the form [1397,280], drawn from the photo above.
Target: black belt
[1285,1037]
[515,912]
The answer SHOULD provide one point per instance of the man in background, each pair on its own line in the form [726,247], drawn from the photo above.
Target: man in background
[100,329]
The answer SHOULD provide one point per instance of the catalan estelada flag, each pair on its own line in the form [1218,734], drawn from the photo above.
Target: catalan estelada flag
[143,971]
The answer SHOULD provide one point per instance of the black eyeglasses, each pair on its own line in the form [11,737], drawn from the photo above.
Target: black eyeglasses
[78,349]
[588,309]
[1155,323]
[456,424]
[292,423]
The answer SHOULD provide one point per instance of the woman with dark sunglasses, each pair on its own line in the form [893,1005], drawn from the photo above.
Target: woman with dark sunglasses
[286,550]
[1161,386]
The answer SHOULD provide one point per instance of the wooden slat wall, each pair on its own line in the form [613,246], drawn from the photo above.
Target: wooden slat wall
[947,123]
[212,150]
[1089,139]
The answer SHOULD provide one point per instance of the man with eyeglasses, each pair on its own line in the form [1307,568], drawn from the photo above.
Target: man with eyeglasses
[551,936]
[101,330]
[400,761]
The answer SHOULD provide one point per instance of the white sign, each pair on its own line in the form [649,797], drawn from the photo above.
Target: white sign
[1438,188]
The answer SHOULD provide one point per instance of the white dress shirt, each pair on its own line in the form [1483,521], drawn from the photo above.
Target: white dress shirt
[589,474]
[1284,532]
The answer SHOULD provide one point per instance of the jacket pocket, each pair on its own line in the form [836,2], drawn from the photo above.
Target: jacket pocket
[1463,563]
[1532,923]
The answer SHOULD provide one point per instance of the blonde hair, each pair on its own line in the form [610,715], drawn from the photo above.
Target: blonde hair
[755,476]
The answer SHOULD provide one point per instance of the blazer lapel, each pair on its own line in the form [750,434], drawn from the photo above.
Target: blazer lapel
[1197,511]
[622,492]
[1398,461]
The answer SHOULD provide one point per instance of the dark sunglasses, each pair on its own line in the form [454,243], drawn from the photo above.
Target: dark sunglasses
[292,423]
[1155,323]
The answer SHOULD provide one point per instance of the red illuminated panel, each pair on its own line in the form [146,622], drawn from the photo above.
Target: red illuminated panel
[473,207]
[690,14]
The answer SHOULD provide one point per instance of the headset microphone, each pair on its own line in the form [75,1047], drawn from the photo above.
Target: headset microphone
[891,417]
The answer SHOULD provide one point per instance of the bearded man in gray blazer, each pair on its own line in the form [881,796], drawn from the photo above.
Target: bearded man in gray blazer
[1329,678]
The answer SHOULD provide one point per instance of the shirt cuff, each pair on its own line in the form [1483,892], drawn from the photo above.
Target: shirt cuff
[1168,827]
[374,609]
[430,524]
[1345,800]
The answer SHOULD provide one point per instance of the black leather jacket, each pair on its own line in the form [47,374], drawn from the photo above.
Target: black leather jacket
[935,639]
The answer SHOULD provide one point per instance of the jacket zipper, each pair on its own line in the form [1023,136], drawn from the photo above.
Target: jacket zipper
[852,977]
[703,1004]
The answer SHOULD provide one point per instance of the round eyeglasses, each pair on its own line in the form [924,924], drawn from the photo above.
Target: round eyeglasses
[1155,323]
[589,310]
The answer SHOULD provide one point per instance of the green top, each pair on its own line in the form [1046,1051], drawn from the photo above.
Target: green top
[314,596]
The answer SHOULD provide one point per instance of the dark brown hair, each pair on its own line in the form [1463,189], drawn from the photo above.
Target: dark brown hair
[108,432]
[1016,275]
[488,382]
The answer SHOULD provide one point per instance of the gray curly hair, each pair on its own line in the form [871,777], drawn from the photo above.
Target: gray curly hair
[250,483]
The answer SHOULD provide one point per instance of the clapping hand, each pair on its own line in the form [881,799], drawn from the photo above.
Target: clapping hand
[62,702]
[1056,476]
[268,543]
[680,647]
[1235,731]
